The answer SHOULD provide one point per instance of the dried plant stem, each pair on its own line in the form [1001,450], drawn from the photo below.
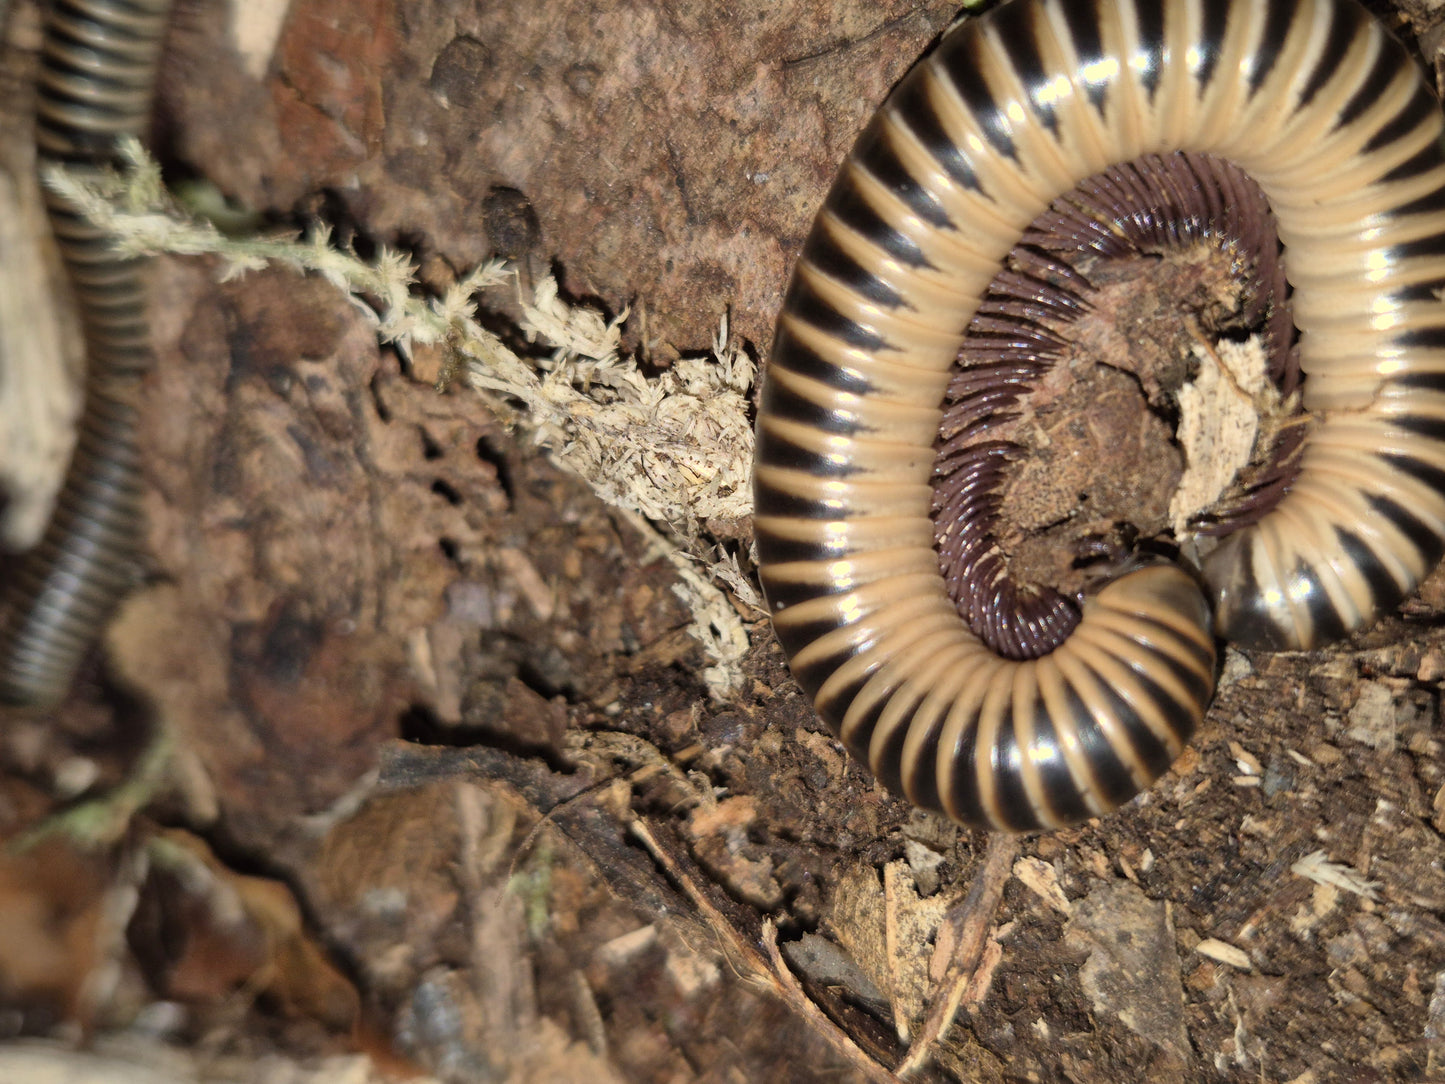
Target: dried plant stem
[970,921]
[770,974]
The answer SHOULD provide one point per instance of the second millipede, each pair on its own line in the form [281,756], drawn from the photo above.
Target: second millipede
[97,77]
[1332,119]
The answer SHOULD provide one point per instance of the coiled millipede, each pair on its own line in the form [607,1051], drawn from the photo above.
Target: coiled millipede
[1328,114]
[98,67]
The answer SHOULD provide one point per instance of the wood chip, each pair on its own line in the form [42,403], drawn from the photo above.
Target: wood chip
[1224,953]
[1043,881]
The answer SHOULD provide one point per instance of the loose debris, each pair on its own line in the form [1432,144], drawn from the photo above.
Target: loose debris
[1219,417]
[1316,867]
[1132,969]
[84,923]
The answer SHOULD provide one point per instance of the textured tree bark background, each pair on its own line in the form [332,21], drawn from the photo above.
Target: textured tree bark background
[437,688]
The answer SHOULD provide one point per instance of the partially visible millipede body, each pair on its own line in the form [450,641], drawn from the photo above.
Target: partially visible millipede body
[1315,102]
[98,66]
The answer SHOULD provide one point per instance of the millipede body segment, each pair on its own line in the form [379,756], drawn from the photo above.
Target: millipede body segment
[98,67]
[1328,115]
[1139,265]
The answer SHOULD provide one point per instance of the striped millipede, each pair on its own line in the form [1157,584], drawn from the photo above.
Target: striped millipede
[97,75]
[1328,114]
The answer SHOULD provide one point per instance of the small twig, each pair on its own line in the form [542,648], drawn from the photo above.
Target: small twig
[971,922]
[771,973]
[797,999]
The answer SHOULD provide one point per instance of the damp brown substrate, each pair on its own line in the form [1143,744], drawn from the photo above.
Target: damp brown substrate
[1092,323]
